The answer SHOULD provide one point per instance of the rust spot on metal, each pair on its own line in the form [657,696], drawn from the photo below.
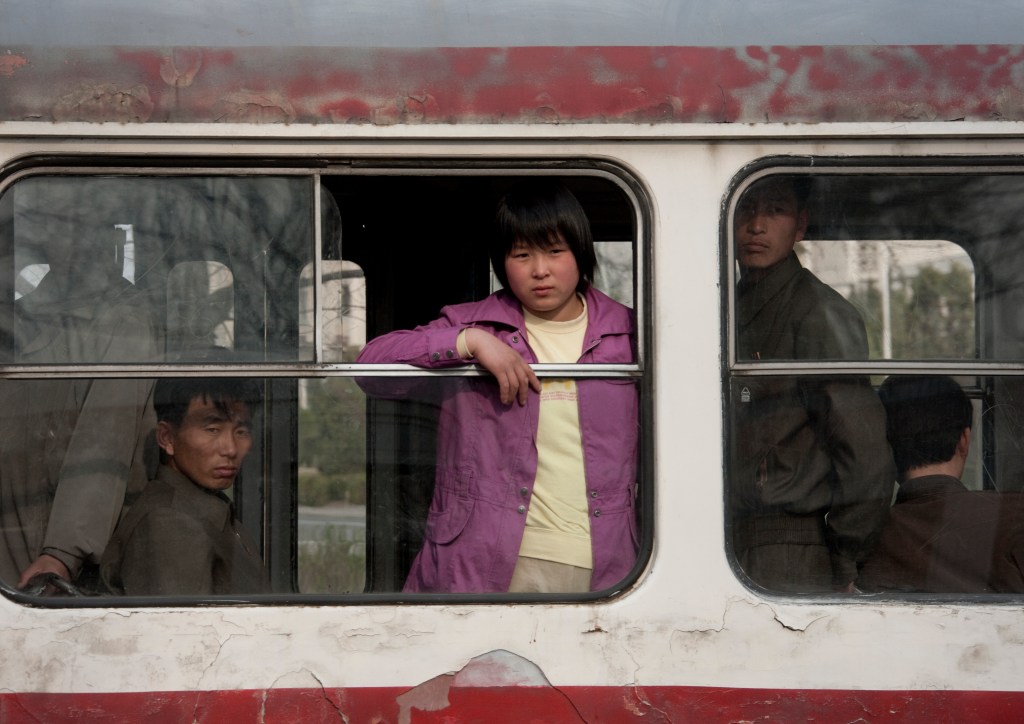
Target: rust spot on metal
[10,63]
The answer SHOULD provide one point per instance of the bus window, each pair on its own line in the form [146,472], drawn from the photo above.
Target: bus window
[219,279]
[850,282]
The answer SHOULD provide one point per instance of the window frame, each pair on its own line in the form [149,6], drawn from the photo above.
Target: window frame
[984,372]
[274,508]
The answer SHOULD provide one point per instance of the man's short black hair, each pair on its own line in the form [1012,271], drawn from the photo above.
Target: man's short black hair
[798,185]
[925,417]
[173,395]
[538,213]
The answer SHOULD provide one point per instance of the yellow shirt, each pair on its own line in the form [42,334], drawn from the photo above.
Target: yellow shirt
[558,524]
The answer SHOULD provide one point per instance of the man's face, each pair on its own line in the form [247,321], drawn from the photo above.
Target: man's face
[768,223]
[209,445]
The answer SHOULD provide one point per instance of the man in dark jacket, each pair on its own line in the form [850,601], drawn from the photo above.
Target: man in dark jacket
[812,476]
[942,537]
[181,536]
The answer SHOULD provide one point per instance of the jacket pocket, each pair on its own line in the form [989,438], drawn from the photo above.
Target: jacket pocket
[446,524]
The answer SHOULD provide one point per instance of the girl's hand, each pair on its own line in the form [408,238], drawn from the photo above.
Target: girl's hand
[514,376]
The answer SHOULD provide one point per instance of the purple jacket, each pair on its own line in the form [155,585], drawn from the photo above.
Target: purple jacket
[486,456]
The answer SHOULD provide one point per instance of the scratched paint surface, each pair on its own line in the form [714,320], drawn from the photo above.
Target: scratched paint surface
[646,85]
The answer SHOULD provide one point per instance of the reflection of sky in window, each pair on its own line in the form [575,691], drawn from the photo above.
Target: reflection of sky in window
[471,23]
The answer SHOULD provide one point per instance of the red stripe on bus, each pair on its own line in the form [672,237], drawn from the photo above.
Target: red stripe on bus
[518,704]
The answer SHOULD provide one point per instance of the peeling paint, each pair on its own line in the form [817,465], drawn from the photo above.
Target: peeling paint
[104,102]
[180,67]
[246,106]
[489,680]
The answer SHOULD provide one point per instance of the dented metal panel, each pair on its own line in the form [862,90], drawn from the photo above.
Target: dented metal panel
[548,85]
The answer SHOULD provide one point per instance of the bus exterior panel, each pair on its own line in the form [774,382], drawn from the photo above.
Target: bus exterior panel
[687,639]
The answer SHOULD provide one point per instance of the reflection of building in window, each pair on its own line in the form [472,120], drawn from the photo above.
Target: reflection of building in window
[29,278]
[343,295]
[614,274]
[200,306]
[916,297]
[128,251]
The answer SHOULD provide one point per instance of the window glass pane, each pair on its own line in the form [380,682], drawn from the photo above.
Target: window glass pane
[145,505]
[139,269]
[810,480]
[905,482]
[330,483]
[908,251]
[200,307]
[916,297]
[332,486]
[945,532]
[436,251]
[71,452]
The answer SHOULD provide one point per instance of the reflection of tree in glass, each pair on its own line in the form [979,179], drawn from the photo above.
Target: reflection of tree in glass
[332,470]
[932,315]
[332,443]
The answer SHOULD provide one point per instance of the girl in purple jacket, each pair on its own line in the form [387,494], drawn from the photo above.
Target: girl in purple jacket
[536,479]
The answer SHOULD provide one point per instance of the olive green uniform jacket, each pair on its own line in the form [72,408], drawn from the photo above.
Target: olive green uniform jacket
[811,468]
[181,539]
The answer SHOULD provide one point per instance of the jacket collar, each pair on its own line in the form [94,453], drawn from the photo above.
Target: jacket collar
[754,291]
[210,506]
[928,486]
[603,313]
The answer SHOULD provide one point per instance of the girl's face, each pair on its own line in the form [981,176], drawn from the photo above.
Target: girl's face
[544,280]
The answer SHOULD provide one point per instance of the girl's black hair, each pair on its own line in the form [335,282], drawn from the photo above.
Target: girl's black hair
[540,213]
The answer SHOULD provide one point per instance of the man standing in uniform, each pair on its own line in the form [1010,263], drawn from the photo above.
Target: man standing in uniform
[812,473]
